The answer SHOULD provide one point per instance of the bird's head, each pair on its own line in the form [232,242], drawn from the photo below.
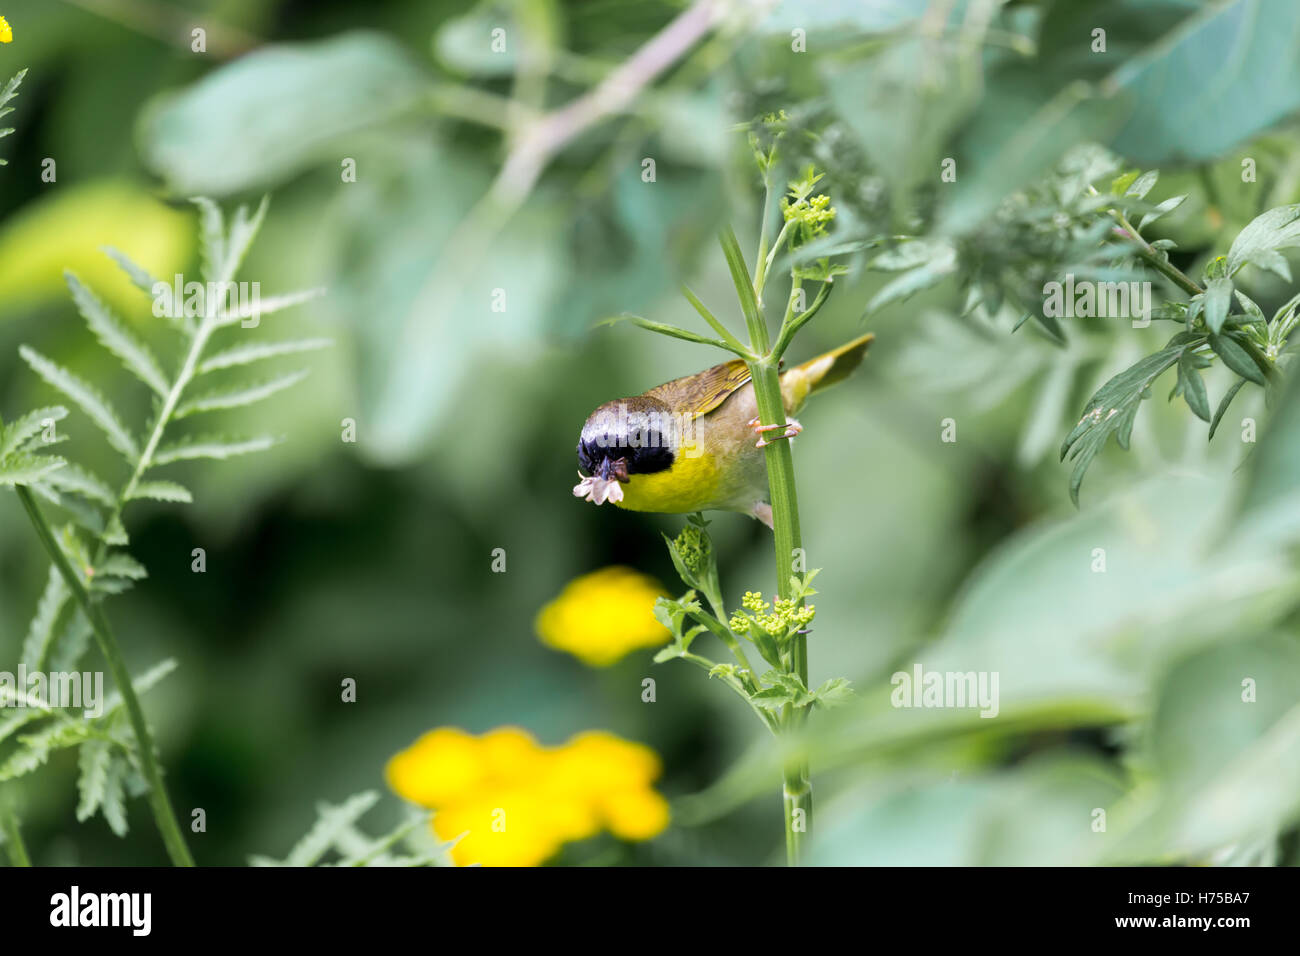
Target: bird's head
[623,438]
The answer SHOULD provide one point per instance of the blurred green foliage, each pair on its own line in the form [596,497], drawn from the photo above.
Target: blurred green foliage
[1121,689]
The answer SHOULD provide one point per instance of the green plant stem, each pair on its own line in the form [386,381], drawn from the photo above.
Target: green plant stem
[14,846]
[766,378]
[1158,262]
[163,814]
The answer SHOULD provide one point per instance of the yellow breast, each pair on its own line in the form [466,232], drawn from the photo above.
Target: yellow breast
[691,484]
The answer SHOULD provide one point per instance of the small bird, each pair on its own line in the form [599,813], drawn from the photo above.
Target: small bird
[689,444]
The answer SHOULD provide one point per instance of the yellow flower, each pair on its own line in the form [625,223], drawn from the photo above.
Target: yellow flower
[517,802]
[6,31]
[601,617]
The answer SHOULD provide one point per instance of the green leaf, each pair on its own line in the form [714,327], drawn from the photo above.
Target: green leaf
[267,306]
[24,427]
[93,761]
[41,631]
[330,822]
[1139,188]
[1237,358]
[134,354]
[909,283]
[1193,388]
[1113,409]
[1218,297]
[834,692]
[1223,405]
[1259,242]
[139,276]
[212,238]
[239,397]
[85,398]
[121,565]
[73,478]
[265,116]
[216,447]
[672,331]
[36,747]
[1169,205]
[258,351]
[24,469]
[161,491]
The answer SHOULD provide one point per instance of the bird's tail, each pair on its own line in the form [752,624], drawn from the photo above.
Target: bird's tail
[823,371]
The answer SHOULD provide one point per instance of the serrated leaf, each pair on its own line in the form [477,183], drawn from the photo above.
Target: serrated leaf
[259,351]
[25,426]
[44,624]
[115,533]
[114,802]
[139,276]
[1223,405]
[86,398]
[119,564]
[142,685]
[219,448]
[25,469]
[73,478]
[330,821]
[239,397]
[36,748]
[161,491]
[212,238]
[1259,242]
[93,762]
[1113,409]
[834,692]
[71,643]
[113,335]
[266,306]
[1218,297]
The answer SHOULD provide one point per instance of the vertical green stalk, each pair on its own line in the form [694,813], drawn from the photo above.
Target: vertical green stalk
[163,814]
[766,376]
[14,846]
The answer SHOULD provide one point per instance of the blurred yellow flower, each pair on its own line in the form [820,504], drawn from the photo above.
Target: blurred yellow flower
[601,617]
[518,802]
[6,31]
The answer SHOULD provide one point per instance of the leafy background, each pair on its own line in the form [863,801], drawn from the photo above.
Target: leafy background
[329,560]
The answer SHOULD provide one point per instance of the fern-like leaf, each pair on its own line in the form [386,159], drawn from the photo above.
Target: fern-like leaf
[44,625]
[267,306]
[8,93]
[73,478]
[119,564]
[259,351]
[161,491]
[239,397]
[24,469]
[13,437]
[113,335]
[216,447]
[86,398]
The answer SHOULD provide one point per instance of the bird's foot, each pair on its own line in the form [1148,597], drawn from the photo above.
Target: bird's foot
[792,428]
[763,512]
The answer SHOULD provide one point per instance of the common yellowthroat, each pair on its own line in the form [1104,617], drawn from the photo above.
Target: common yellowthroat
[689,444]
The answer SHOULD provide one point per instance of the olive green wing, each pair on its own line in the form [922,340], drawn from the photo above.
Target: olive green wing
[704,391]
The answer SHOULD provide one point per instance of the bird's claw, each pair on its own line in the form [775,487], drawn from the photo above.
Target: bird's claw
[792,428]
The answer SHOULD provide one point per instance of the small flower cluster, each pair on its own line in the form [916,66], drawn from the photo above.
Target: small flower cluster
[785,617]
[517,802]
